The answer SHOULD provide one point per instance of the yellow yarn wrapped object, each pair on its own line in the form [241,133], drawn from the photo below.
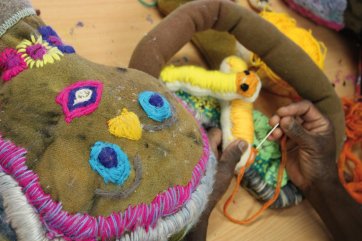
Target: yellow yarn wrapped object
[242,120]
[126,125]
[303,38]
[197,76]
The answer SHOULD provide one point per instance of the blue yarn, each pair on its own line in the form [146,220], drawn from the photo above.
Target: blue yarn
[156,100]
[50,35]
[155,105]
[104,165]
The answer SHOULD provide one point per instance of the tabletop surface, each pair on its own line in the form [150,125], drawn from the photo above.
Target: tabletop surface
[107,31]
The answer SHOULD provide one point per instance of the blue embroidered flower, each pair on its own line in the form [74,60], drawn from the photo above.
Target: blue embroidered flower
[54,40]
[109,161]
[155,105]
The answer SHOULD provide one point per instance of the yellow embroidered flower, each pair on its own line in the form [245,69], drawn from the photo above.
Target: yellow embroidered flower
[38,52]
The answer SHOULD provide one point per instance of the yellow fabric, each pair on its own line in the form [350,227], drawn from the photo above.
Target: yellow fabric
[242,120]
[126,125]
[215,81]
[236,64]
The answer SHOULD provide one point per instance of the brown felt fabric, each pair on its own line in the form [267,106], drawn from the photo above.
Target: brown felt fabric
[213,45]
[353,16]
[283,56]
[59,152]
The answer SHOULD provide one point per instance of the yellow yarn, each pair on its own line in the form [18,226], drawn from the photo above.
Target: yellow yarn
[126,125]
[241,115]
[215,81]
[316,50]
[235,64]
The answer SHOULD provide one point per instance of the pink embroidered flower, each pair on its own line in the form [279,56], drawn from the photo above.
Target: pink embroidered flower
[11,64]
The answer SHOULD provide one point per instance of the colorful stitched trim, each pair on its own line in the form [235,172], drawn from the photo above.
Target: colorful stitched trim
[15,19]
[126,125]
[37,52]
[81,98]
[85,227]
[54,40]
[28,226]
[155,105]
[109,161]
[11,64]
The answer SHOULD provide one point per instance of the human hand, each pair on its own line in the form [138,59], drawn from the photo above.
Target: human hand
[310,144]
[227,161]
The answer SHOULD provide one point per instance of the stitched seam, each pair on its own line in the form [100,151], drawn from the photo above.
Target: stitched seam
[15,19]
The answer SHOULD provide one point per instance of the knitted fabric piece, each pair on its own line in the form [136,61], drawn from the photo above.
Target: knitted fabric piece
[206,109]
[268,159]
[12,11]
[328,13]
[289,194]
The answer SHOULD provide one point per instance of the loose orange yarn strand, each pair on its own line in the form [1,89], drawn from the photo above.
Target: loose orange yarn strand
[353,115]
[266,205]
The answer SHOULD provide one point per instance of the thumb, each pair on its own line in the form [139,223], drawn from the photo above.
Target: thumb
[231,155]
[294,130]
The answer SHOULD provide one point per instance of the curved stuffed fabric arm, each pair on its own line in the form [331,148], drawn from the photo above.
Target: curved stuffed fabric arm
[284,57]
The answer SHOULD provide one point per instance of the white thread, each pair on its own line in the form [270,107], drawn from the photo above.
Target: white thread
[23,218]
[15,19]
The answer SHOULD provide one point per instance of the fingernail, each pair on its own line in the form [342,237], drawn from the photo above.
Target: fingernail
[242,145]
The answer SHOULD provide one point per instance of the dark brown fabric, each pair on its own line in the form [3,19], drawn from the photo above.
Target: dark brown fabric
[283,56]
[59,152]
[353,16]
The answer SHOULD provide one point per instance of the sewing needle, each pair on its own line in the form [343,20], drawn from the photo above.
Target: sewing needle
[266,137]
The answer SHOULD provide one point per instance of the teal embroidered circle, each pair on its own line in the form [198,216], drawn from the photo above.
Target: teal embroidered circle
[109,161]
[155,105]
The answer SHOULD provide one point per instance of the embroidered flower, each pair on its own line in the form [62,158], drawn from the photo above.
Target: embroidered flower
[37,52]
[11,64]
[155,105]
[79,99]
[109,161]
[54,40]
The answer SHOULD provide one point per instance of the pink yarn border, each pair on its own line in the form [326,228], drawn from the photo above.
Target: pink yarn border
[60,223]
[62,99]
[315,18]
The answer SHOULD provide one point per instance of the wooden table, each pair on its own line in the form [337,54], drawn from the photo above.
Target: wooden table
[107,31]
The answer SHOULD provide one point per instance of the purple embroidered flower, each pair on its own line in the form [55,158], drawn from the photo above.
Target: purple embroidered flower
[11,64]
[36,51]
[54,40]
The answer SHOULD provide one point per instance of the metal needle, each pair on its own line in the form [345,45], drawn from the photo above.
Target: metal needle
[266,137]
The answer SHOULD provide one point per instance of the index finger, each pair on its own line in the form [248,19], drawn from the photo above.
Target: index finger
[305,109]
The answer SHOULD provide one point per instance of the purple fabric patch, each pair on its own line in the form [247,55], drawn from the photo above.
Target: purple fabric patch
[81,98]
[54,40]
